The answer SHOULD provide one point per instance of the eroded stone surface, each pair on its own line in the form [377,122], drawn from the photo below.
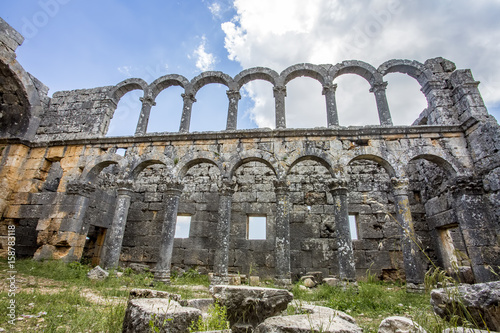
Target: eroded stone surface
[250,305]
[398,324]
[166,315]
[479,302]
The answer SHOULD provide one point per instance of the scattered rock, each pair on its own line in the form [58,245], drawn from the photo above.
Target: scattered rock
[309,283]
[465,330]
[139,268]
[200,303]
[254,280]
[307,323]
[151,293]
[316,276]
[167,316]
[249,306]
[481,301]
[97,273]
[332,282]
[399,325]
[235,280]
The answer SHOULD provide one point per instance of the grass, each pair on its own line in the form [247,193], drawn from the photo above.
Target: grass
[65,300]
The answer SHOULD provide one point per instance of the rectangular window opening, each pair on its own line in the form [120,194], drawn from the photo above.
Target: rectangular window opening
[182,226]
[256,227]
[353,226]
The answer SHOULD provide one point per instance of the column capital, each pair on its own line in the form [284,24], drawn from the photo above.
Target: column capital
[338,185]
[226,187]
[147,100]
[400,185]
[277,90]
[280,186]
[233,94]
[379,86]
[467,185]
[329,87]
[173,188]
[80,188]
[189,97]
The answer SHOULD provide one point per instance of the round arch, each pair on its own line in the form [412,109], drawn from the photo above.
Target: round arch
[441,162]
[183,166]
[410,67]
[94,168]
[256,73]
[262,159]
[126,86]
[211,77]
[363,69]
[380,160]
[316,72]
[162,83]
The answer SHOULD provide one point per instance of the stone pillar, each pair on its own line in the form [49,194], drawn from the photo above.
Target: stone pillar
[279,101]
[345,254]
[382,106]
[282,243]
[186,112]
[142,124]
[223,231]
[332,116]
[72,229]
[114,239]
[232,113]
[476,225]
[409,243]
[171,199]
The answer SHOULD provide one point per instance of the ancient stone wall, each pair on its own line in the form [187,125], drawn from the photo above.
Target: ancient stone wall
[418,193]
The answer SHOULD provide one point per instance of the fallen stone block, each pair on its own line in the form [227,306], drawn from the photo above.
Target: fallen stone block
[97,273]
[249,306]
[479,303]
[307,323]
[160,314]
[399,325]
[151,293]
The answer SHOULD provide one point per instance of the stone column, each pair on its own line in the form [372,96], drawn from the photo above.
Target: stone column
[282,243]
[72,229]
[476,225]
[142,124]
[221,256]
[345,254]
[409,243]
[186,112]
[382,106]
[114,239]
[232,113]
[171,199]
[279,102]
[332,116]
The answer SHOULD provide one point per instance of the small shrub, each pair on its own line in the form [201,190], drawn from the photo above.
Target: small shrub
[216,320]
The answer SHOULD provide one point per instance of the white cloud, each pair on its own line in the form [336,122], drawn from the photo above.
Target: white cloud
[215,9]
[281,33]
[204,61]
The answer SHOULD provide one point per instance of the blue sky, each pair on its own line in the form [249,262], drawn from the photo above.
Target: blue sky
[73,44]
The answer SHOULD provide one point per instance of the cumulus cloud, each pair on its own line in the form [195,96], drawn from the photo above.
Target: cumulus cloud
[204,61]
[281,33]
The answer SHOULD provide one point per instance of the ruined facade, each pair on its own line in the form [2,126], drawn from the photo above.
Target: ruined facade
[416,194]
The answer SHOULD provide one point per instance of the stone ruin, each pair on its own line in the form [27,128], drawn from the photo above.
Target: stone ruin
[429,191]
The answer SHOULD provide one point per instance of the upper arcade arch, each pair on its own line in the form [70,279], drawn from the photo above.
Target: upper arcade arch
[126,86]
[316,72]
[256,73]
[412,68]
[158,85]
[211,77]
